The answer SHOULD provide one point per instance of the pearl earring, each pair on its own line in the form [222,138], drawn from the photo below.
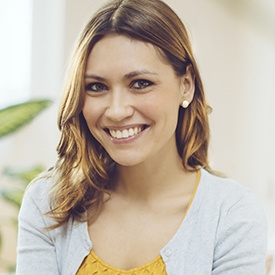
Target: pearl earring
[185,104]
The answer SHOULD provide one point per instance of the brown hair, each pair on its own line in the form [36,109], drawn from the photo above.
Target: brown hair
[83,171]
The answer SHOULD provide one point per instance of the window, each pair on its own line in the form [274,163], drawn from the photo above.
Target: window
[15,51]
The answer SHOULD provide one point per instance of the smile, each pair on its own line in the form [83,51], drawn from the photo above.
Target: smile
[126,133]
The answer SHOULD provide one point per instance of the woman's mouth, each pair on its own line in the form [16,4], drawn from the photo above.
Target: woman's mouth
[126,133]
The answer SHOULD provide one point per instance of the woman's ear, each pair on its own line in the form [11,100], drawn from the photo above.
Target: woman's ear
[188,85]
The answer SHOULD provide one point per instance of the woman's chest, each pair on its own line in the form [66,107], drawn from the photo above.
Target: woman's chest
[131,237]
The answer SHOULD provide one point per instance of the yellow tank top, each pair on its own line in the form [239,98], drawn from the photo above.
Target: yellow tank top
[93,265]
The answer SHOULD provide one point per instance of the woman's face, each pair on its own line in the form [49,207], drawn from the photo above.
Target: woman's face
[132,100]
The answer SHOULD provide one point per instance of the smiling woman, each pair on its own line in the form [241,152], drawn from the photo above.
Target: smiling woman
[132,191]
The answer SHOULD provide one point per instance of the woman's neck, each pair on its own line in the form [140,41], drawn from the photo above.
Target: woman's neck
[153,179]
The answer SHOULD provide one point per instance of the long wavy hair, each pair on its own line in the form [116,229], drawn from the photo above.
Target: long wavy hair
[84,170]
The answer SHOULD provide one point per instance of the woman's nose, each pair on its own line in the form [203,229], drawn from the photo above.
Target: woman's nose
[119,106]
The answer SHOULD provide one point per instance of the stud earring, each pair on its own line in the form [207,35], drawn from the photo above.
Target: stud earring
[185,104]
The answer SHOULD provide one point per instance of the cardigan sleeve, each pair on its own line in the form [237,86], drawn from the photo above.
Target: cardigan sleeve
[241,239]
[35,250]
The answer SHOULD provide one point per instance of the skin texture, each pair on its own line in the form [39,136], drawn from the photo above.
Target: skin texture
[128,86]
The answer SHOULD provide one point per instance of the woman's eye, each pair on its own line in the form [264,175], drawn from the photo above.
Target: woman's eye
[141,84]
[95,87]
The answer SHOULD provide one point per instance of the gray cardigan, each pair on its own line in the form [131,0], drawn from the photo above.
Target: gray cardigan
[223,233]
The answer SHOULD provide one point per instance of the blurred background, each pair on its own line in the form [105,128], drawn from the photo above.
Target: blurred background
[234,43]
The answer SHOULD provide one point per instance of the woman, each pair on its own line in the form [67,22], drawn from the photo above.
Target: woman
[132,191]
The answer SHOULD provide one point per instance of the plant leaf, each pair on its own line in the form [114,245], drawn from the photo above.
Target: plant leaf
[26,175]
[14,117]
[13,196]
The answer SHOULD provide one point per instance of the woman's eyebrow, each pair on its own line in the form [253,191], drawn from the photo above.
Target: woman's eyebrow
[93,76]
[137,73]
[126,76]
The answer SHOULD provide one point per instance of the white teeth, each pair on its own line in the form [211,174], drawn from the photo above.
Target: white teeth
[118,134]
[125,133]
[131,132]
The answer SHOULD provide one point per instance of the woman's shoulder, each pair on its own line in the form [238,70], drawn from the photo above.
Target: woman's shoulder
[222,187]
[227,194]
[240,226]
[230,203]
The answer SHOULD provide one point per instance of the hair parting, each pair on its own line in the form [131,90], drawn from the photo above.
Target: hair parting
[84,173]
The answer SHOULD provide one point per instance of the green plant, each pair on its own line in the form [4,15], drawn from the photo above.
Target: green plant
[13,195]
[12,118]
[16,116]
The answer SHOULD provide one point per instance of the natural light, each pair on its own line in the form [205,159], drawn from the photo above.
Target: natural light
[15,51]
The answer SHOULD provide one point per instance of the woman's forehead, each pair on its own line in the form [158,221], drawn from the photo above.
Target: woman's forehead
[116,49]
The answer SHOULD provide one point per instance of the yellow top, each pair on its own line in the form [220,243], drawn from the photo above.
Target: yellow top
[93,265]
